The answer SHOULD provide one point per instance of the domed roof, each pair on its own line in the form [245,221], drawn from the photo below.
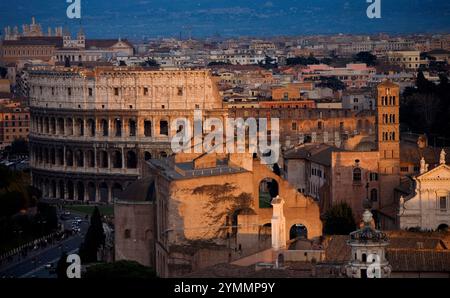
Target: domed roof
[367,233]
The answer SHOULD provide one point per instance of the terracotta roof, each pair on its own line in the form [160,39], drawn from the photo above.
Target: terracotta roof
[404,260]
[320,153]
[388,84]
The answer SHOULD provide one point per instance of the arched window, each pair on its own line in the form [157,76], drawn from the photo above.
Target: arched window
[117,159]
[118,127]
[104,125]
[148,128]
[131,160]
[104,159]
[132,127]
[80,158]
[91,126]
[357,175]
[69,158]
[164,128]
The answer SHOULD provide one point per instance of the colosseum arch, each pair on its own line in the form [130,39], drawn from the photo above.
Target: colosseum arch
[69,158]
[132,128]
[104,192]
[70,190]
[53,156]
[69,126]
[60,156]
[62,189]
[103,159]
[91,192]
[79,127]
[80,191]
[46,155]
[90,158]
[46,125]
[104,127]
[131,160]
[118,127]
[91,127]
[147,128]
[116,190]
[53,189]
[53,125]
[60,126]
[117,159]
[79,157]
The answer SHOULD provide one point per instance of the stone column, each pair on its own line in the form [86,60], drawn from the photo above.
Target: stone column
[278,224]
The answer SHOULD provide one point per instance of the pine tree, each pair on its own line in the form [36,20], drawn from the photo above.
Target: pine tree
[94,239]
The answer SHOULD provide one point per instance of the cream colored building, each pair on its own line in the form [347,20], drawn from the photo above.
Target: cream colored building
[428,208]
[406,59]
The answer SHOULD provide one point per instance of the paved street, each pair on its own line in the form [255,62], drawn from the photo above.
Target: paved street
[34,264]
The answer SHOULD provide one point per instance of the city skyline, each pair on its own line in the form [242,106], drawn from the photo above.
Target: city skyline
[152,19]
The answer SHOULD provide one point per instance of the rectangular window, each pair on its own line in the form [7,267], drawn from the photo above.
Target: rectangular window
[116,91]
[443,203]
[90,91]
[294,125]
[69,91]
[145,91]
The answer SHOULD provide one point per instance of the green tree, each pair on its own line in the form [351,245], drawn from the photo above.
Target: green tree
[94,239]
[367,58]
[120,270]
[339,220]
[332,83]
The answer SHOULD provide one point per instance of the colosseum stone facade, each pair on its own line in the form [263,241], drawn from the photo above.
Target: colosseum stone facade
[92,129]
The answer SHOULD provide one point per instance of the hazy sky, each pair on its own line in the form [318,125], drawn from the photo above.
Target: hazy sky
[154,18]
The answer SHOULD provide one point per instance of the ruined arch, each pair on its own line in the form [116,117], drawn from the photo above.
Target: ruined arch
[268,189]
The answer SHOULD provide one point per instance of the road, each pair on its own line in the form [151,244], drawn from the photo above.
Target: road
[34,264]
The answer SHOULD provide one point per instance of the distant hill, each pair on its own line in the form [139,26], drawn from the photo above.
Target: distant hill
[152,18]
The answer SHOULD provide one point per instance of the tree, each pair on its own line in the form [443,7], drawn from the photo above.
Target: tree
[61,267]
[94,239]
[332,83]
[339,220]
[367,58]
[120,270]
[19,147]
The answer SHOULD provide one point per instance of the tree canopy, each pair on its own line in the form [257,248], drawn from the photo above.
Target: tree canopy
[120,270]
[339,220]
[94,239]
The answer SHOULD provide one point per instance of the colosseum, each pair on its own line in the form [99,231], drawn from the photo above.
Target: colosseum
[93,129]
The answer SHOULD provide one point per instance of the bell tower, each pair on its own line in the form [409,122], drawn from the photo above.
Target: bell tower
[388,140]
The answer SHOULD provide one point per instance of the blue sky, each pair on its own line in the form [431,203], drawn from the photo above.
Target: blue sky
[156,18]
